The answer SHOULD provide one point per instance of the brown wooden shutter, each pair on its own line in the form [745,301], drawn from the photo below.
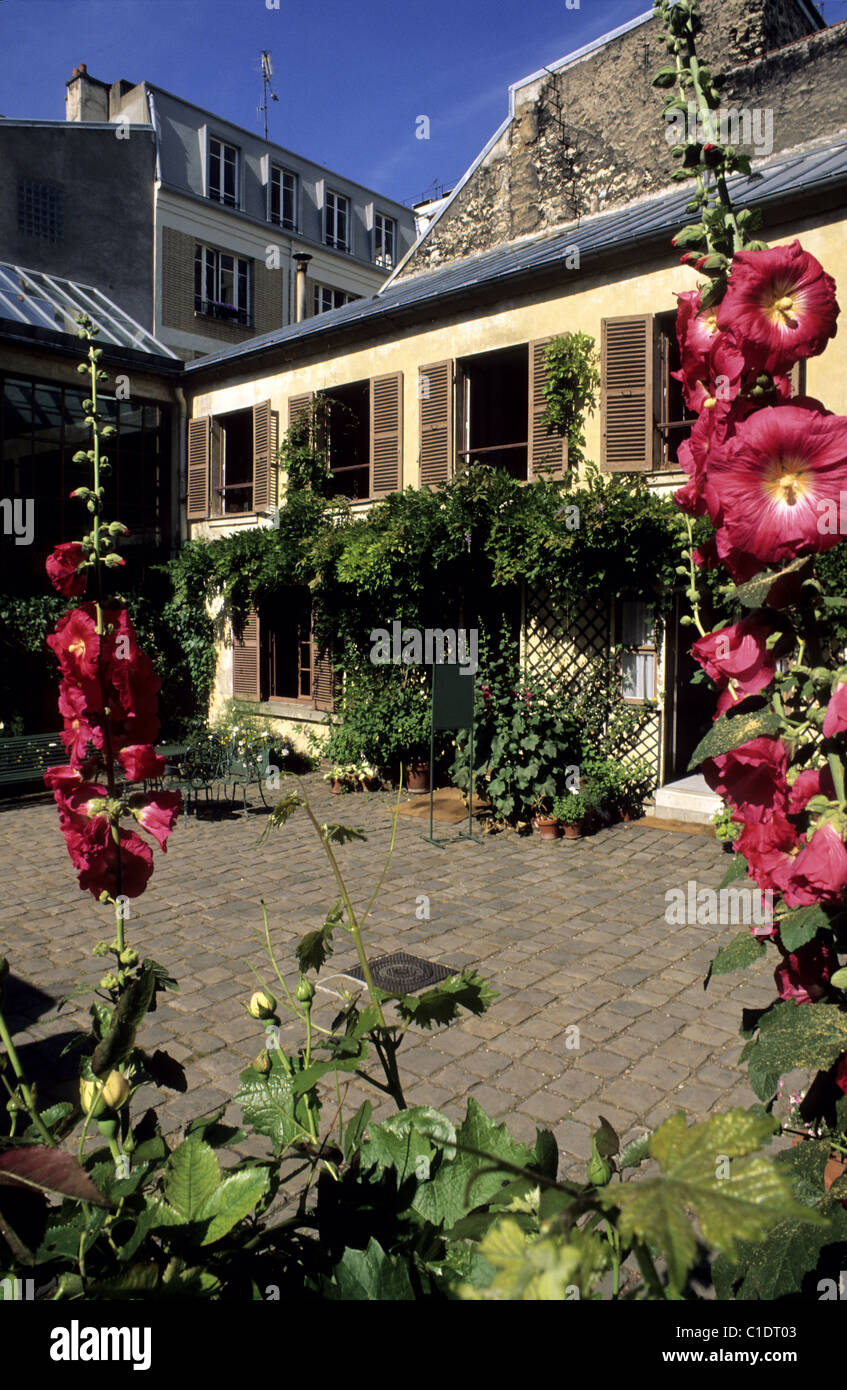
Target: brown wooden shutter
[435,393]
[245,660]
[626,395]
[386,433]
[548,451]
[298,406]
[198,468]
[797,378]
[264,457]
[323,678]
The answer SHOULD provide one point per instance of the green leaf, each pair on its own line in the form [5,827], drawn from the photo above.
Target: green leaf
[442,1004]
[754,594]
[839,979]
[633,1154]
[232,1200]
[130,1010]
[269,1105]
[315,948]
[404,1142]
[690,236]
[807,1036]
[370,1276]
[731,730]
[354,1133]
[737,869]
[606,1138]
[741,952]
[802,925]
[665,77]
[192,1174]
[460,1184]
[694,1159]
[341,834]
[776,1266]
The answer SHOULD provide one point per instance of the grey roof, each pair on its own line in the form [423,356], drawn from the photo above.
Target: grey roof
[47,301]
[643,222]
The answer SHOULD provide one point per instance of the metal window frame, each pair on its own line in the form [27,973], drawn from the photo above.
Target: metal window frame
[333,203]
[277,179]
[220,196]
[383,224]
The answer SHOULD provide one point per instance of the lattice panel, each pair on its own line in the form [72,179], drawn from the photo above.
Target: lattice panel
[552,636]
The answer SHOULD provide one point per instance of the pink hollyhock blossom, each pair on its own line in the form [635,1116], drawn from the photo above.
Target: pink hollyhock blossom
[803,976]
[101,871]
[737,660]
[157,815]
[840,1075]
[819,872]
[767,846]
[76,644]
[751,778]
[771,482]
[140,762]
[780,305]
[836,712]
[80,707]
[63,569]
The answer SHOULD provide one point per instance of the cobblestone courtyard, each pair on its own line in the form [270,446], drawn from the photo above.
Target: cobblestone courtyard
[567,933]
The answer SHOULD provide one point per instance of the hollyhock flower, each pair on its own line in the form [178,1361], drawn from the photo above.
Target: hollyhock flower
[767,846]
[840,1075]
[140,762]
[63,778]
[157,815]
[63,569]
[76,643]
[770,481]
[75,706]
[737,660]
[780,305]
[819,872]
[803,975]
[101,871]
[836,712]
[811,782]
[751,778]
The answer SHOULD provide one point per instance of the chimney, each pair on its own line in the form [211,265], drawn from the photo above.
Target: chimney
[86,98]
[302,258]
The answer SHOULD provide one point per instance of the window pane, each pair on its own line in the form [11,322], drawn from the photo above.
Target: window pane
[637,625]
[638,676]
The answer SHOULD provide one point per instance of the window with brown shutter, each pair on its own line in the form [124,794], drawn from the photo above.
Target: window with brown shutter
[627,394]
[386,433]
[435,394]
[198,468]
[548,451]
[289,664]
[245,660]
[323,679]
[265,429]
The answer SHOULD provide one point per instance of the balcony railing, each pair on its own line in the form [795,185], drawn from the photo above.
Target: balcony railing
[216,309]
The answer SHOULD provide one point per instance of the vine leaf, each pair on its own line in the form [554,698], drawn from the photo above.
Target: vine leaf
[745,1204]
[371,1276]
[741,952]
[441,1005]
[802,925]
[731,730]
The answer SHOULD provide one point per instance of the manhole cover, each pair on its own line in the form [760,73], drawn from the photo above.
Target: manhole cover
[401,973]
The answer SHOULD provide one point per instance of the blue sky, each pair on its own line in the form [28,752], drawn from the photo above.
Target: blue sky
[352,76]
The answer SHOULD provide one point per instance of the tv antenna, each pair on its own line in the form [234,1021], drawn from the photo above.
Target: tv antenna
[267,74]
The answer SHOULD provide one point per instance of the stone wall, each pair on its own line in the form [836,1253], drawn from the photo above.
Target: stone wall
[591,137]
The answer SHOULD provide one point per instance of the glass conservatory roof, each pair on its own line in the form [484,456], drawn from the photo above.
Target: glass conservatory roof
[32,296]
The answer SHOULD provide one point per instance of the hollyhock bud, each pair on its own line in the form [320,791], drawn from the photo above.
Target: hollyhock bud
[305,990]
[110,1094]
[262,1005]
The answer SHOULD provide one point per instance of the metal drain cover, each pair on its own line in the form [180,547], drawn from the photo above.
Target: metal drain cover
[400,973]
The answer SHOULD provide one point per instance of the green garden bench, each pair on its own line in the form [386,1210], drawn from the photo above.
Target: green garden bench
[25,759]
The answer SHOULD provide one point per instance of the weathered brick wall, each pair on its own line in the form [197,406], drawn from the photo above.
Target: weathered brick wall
[178,294]
[591,137]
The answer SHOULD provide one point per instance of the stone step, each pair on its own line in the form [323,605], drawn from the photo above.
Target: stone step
[688,800]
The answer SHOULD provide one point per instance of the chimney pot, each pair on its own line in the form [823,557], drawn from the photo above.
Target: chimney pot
[83,67]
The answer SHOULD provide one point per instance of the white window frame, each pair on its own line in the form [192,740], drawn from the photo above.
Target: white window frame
[338,297]
[220,196]
[213,269]
[385,240]
[276,181]
[336,204]
[645,654]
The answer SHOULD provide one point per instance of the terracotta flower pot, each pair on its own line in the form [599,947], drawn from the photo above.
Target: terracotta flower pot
[337,786]
[573,832]
[546,827]
[417,779]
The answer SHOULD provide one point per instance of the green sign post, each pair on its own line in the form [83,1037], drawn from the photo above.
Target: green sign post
[452,708]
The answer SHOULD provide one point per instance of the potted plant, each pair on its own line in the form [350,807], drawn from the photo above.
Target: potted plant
[570,811]
[412,726]
[545,823]
[368,777]
[635,783]
[338,779]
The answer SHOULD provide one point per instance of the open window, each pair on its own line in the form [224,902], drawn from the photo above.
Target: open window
[675,420]
[494,393]
[638,636]
[232,462]
[346,423]
[276,657]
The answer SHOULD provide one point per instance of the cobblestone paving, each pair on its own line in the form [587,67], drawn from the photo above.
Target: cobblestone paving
[569,933]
